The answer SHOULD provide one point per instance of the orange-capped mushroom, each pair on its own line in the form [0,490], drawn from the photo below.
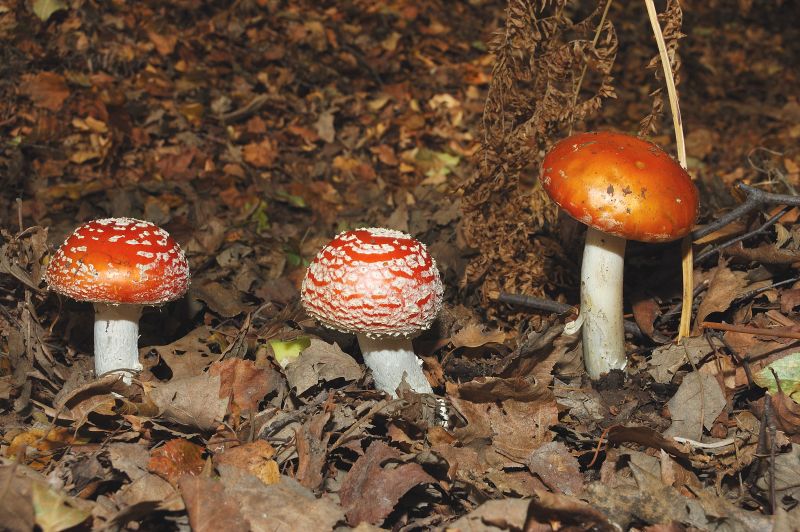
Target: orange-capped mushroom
[119,265]
[623,188]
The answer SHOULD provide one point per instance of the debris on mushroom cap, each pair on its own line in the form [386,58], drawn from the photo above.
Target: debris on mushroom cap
[119,260]
[621,185]
[377,282]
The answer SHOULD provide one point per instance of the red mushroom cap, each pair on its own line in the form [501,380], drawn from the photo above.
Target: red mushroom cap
[377,282]
[621,185]
[119,260]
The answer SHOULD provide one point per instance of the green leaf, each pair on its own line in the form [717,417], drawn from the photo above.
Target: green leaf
[54,511]
[289,350]
[788,371]
[44,9]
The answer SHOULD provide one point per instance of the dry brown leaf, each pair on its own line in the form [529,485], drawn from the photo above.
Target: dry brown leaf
[558,469]
[186,357]
[255,457]
[191,401]
[285,506]
[696,404]
[209,507]
[376,483]
[260,154]
[321,362]
[227,302]
[494,516]
[164,43]
[176,458]
[474,335]
[47,90]
[724,287]
[242,383]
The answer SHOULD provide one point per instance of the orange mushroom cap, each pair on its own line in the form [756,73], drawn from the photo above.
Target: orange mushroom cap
[621,185]
[119,260]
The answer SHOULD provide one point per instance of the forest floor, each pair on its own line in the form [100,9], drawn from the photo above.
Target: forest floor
[256,130]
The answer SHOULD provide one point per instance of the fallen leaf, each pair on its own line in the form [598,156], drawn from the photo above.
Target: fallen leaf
[255,457]
[787,370]
[376,483]
[165,44]
[47,90]
[227,302]
[44,9]
[242,383]
[16,504]
[725,286]
[191,401]
[286,351]
[56,511]
[285,506]
[667,359]
[260,154]
[494,516]
[324,127]
[176,458]
[321,362]
[558,469]
[474,335]
[151,488]
[186,357]
[209,507]
[696,404]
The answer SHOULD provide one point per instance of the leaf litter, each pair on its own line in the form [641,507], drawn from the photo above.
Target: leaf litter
[255,131]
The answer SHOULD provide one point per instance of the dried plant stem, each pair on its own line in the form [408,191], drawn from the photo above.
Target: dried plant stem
[687,260]
[586,65]
[775,333]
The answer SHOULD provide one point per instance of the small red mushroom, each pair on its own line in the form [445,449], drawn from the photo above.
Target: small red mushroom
[621,187]
[119,264]
[383,286]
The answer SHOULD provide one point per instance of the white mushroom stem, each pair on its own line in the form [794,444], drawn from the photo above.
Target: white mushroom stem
[116,339]
[390,358]
[601,303]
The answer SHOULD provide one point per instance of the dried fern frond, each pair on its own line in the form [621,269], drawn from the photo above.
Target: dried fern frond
[541,56]
[671,21]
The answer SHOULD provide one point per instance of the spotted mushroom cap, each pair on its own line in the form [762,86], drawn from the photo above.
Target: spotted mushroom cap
[377,282]
[621,185]
[119,260]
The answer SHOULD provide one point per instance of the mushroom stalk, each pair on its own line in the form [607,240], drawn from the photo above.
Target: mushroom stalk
[601,303]
[116,339]
[390,358]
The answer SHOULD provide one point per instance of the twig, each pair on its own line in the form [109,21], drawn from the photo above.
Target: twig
[603,436]
[701,445]
[380,405]
[758,331]
[536,303]
[687,262]
[753,293]
[548,305]
[755,199]
[741,238]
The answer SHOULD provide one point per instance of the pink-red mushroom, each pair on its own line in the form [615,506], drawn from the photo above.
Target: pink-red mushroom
[119,264]
[383,286]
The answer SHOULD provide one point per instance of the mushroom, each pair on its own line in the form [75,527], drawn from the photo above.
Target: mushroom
[621,187]
[119,264]
[383,286]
